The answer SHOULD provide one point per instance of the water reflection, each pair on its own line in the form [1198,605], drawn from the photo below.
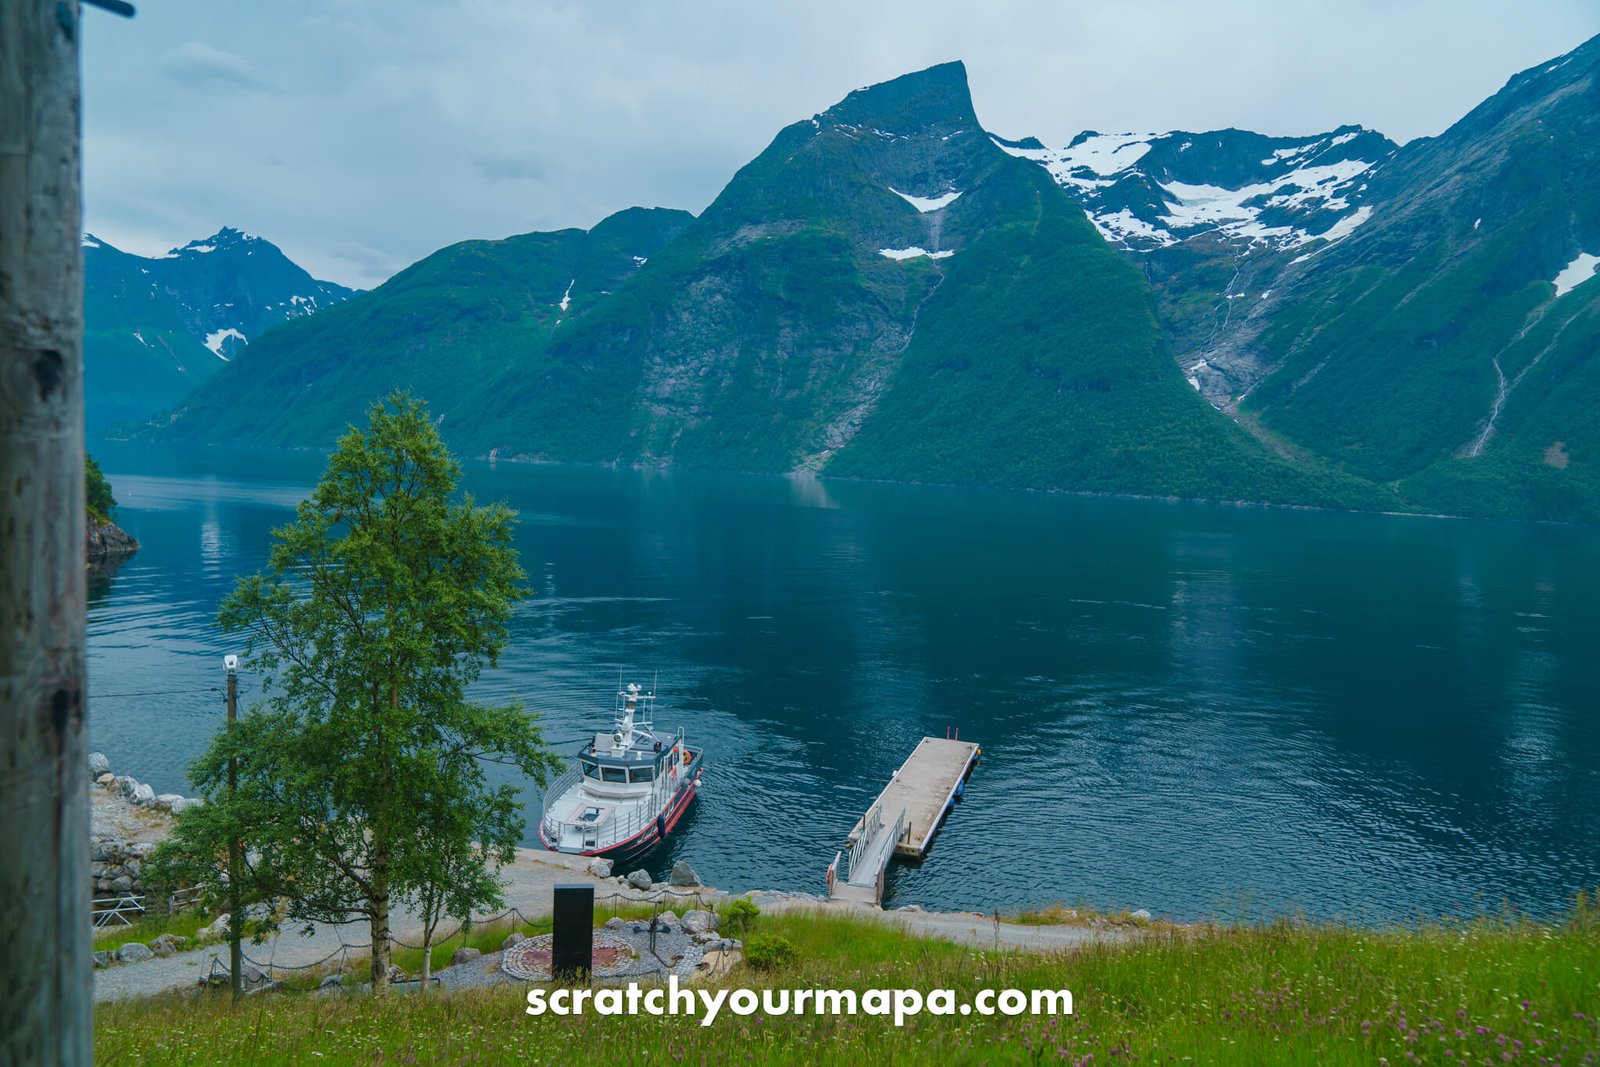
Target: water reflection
[1198,710]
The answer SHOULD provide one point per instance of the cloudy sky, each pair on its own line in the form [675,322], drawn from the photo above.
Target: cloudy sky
[360,135]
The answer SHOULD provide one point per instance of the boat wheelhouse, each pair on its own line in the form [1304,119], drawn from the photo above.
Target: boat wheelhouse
[626,789]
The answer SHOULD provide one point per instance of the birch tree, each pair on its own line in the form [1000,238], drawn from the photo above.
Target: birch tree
[380,605]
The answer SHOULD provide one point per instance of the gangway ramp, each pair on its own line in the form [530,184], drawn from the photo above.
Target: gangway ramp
[904,818]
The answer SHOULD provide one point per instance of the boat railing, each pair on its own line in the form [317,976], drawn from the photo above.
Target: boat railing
[569,778]
[624,824]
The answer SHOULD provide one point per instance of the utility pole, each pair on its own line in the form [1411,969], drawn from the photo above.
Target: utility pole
[235,913]
[45,973]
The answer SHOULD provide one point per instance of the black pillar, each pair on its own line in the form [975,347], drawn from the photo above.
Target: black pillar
[572,948]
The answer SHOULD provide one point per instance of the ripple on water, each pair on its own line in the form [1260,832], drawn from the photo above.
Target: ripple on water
[1203,711]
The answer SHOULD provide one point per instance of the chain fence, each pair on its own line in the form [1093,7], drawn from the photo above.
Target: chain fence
[615,904]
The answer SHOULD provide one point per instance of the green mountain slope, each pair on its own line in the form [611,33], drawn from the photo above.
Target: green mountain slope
[1039,363]
[775,334]
[738,346]
[1431,349]
[888,292]
[440,326]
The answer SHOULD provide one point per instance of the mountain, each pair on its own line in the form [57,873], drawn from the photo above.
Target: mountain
[883,292]
[468,314]
[889,291]
[1446,345]
[155,327]
[1206,215]
[1152,191]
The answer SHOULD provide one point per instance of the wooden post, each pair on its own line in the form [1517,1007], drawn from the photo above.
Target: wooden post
[45,974]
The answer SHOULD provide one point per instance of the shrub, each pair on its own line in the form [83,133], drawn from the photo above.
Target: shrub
[741,913]
[769,952]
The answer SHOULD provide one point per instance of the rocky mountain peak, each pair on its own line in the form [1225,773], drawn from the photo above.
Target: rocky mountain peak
[933,100]
[226,239]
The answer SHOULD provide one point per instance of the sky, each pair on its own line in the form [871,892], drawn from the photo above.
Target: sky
[361,135]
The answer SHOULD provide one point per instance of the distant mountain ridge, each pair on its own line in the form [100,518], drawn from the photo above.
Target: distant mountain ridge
[890,291]
[156,326]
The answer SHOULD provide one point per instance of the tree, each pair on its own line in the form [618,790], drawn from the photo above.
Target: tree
[450,873]
[360,780]
[96,490]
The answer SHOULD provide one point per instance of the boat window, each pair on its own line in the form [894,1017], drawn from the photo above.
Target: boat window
[590,768]
[613,774]
[642,774]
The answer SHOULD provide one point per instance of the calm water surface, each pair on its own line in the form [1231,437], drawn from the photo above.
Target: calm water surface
[1204,711]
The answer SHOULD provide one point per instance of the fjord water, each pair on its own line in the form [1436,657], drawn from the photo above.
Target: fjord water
[1202,710]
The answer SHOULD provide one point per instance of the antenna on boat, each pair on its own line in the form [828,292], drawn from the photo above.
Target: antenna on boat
[654,680]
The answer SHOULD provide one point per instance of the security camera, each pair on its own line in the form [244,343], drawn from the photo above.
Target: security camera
[231,662]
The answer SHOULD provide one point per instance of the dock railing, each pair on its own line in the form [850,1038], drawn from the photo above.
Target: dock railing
[870,825]
[894,839]
[872,833]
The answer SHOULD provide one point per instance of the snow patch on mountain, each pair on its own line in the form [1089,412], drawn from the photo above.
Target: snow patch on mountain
[1575,273]
[216,338]
[1147,191]
[224,239]
[1092,160]
[926,204]
[89,241]
[914,252]
[1347,225]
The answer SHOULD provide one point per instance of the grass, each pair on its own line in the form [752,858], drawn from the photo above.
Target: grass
[1058,914]
[1490,991]
[486,937]
[186,923]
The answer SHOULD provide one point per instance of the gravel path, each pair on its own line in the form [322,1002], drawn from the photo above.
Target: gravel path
[529,885]
[962,927]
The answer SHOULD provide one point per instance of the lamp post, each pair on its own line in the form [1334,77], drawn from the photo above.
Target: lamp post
[235,918]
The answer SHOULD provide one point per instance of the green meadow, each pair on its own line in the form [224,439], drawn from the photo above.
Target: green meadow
[1503,990]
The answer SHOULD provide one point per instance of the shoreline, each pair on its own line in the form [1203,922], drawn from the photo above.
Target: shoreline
[801,475]
[120,819]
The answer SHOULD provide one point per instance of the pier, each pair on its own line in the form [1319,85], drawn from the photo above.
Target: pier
[904,818]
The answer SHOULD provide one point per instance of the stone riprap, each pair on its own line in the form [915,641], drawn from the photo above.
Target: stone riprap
[128,820]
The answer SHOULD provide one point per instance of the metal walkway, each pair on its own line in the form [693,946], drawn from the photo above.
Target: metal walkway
[904,818]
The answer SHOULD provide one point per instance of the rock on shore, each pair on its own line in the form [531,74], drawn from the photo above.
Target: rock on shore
[107,543]
[128,819]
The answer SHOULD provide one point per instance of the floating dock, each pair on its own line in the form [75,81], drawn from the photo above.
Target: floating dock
[904,818]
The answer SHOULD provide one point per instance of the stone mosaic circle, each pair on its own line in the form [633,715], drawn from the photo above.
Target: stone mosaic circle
[529,959]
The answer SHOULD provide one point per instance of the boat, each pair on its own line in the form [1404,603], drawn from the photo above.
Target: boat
[626,790]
